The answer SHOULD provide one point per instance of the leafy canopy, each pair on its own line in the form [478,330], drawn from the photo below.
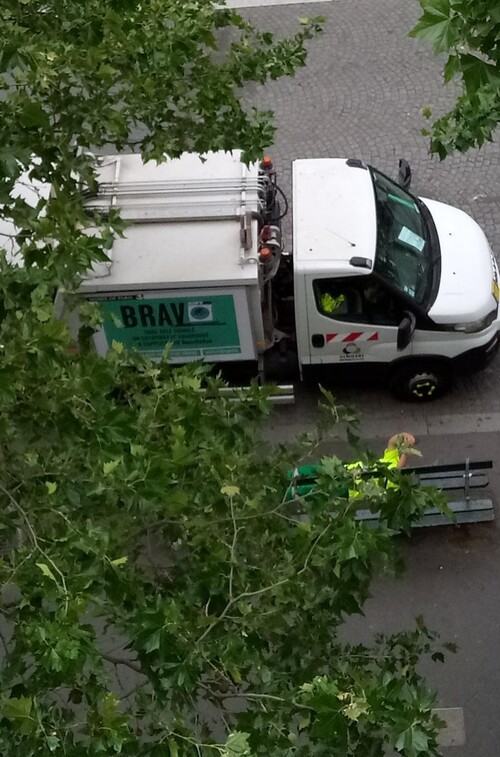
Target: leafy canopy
[160,597]
[468,32]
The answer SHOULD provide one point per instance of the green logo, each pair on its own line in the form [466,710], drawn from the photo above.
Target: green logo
[195,328]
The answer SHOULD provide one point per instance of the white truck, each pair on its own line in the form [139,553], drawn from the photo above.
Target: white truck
[379,280]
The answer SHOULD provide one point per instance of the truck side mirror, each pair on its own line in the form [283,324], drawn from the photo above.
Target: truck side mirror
[406,329]
[404,174]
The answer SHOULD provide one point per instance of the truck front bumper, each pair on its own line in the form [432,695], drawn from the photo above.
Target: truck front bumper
[477,358]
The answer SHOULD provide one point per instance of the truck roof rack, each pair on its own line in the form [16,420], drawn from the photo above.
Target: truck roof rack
[223,190]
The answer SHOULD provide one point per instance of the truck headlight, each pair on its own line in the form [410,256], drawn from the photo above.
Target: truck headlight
[474,326]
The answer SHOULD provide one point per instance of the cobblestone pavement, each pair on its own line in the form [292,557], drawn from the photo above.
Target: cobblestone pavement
[361,95]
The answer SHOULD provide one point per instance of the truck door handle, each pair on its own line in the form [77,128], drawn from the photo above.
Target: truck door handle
[318,340]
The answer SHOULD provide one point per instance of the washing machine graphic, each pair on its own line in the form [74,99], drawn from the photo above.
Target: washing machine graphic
[200,312]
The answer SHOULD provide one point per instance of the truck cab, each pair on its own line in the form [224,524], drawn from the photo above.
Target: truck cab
[386,280]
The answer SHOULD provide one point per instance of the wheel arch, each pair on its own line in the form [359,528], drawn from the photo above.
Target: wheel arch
[409,360]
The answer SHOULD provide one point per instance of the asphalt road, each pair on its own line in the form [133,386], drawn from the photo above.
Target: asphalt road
[362,95]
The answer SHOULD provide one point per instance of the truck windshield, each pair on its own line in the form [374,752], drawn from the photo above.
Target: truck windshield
[403,254]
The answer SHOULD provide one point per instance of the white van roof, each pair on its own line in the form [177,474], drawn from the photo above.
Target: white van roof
[334,216]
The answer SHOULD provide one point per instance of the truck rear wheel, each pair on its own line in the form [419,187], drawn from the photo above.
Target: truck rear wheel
[421,382]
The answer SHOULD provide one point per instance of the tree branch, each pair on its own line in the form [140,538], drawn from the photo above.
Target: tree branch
[274,511]
[261,591]
[232,555]
[234,601]
[313,547]
[36,542]
[254,696]
[2,638]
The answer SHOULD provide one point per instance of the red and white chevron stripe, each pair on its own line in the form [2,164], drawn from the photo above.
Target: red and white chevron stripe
[353,336]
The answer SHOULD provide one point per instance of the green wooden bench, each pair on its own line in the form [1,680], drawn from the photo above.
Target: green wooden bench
[463,483]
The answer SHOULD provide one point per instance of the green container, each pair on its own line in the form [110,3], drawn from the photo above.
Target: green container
[303,480]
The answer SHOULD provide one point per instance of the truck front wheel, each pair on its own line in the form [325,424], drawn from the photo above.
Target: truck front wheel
[421,382]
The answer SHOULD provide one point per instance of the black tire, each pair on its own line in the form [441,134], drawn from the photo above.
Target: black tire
[421,382]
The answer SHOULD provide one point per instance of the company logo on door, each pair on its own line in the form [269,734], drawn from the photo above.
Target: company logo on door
[351,352]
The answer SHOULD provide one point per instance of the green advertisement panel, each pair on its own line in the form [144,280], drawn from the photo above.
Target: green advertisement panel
[196,327]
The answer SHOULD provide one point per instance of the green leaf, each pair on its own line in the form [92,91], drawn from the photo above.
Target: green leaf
[110,466]
[234,673]
[119,561]
[436,25]
[304,722]
[265,675]
[137,450]
[53,742]
[237,745]
[230,491]
[451,68]
[18,710]
[109,711]
[51,487]
[414,741]
[153,643]
[477,73]
[55,661]
[33,115]
[419,741]
[46,571]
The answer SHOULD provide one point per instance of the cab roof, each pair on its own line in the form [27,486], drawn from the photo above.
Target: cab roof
[334,216]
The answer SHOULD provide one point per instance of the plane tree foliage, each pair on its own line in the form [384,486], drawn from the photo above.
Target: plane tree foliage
[467,34]
[160,596]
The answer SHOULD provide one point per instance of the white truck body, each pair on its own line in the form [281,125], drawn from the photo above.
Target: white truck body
[378,278]
[186,271]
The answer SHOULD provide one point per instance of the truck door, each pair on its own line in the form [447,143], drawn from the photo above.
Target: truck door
[353,320]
